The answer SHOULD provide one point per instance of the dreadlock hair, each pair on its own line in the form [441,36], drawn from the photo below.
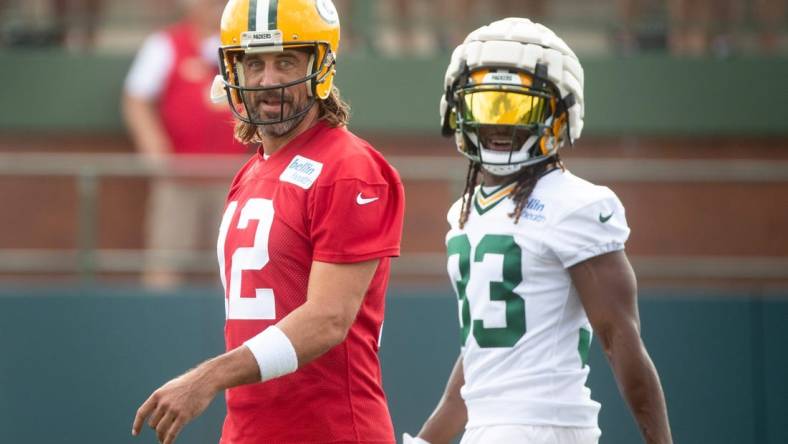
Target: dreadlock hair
[526,180]
[333,110]
[467,194]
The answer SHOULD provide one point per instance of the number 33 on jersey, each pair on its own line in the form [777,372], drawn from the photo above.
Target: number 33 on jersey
[511,279]
[524,333]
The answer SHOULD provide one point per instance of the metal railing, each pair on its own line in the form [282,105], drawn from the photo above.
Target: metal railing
[88,170]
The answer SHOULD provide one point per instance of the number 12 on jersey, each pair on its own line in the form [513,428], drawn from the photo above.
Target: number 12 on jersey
[502,290]
[262,305]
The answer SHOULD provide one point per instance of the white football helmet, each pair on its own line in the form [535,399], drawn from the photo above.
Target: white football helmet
[513,95]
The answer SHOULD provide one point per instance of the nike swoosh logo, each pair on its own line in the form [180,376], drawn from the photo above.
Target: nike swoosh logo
[365,200]
[604,219]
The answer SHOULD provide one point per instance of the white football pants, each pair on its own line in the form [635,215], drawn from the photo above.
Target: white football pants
[522,434]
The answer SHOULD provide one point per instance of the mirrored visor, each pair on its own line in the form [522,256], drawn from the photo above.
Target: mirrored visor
[499,107]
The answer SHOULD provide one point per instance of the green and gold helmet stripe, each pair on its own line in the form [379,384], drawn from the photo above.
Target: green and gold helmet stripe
[262,15]
[273,11]
[252,15]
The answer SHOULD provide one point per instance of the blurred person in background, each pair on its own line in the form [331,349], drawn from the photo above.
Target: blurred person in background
[640,27]
[76,21]
[311,223]
[630,13]
[421,27]
[700,27]
[463,15]
[169,115]
[68,23]
[409,26]
[535,254]
[770,15]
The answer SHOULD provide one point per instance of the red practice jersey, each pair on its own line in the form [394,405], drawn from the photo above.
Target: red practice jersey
[326,196]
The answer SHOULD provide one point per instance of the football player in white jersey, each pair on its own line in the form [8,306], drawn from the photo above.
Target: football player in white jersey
[535,254]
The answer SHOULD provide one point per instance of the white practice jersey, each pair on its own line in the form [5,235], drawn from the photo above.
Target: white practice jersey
[524,331]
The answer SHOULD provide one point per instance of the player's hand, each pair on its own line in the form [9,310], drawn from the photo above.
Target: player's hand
[173,405]
[407,439]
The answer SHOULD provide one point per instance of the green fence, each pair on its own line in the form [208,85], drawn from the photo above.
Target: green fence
[651,95]
[77,362]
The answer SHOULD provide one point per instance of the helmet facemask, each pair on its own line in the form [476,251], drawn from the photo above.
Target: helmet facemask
[507,119]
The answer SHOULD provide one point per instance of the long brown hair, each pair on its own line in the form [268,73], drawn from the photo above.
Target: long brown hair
[333,110]
[526,180]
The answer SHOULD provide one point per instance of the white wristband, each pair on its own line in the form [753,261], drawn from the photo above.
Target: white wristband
[274,353]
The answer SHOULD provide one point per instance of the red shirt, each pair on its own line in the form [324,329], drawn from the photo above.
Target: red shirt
[193,123]
[326,196]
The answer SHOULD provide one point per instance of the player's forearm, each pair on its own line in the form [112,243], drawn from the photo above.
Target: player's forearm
[231,369]
[451,414]
[314,330]
[145,127]
[310,332]
[446,422]
[639,384]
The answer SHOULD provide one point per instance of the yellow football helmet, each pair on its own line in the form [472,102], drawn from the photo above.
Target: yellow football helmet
[254,26]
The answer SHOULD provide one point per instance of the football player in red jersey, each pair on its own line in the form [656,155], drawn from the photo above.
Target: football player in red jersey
[304,247]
